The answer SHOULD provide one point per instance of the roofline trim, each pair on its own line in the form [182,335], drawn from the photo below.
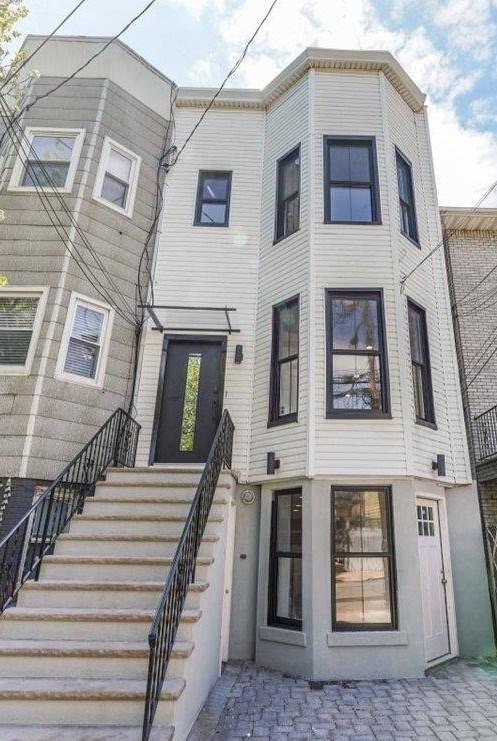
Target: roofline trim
[477,219]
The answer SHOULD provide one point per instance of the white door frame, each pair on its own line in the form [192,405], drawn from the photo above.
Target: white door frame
[440,500]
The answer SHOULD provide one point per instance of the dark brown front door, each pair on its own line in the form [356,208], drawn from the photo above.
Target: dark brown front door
[191,399]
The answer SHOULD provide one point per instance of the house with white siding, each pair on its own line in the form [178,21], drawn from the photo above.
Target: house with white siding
[300,208]
[299,491]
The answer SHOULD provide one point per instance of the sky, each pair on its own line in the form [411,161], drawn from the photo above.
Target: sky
[449,48]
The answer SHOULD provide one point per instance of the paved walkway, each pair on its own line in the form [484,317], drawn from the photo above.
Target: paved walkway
[457,701]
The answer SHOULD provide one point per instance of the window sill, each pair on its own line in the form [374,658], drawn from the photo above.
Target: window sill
[367,638]
[79,380]
[359,415]
[285,236]
[14,370]
[411,240]
[124,212]
[32,189]
[425,423]
[212,226]
[291,419]
[354,223]
[282,635]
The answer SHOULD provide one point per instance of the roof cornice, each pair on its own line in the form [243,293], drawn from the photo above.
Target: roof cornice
[324,59]
[469,219]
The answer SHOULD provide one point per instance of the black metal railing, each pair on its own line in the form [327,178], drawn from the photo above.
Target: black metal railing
[182,572]
[23,549]
[486,434]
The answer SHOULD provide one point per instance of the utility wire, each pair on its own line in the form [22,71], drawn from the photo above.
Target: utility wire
[487,361]
[24,62]
[449,234]
[58,224]
[230,74]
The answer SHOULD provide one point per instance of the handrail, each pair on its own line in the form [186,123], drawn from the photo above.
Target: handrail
[23,549]
[486,434]
[182,572]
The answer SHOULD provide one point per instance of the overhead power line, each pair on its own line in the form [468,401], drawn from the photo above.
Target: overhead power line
[450,233]
[24,62]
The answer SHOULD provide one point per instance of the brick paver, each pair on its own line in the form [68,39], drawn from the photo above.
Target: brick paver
[457,701]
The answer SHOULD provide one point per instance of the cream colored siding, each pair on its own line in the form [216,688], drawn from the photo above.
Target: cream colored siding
[211,266]
[284,272]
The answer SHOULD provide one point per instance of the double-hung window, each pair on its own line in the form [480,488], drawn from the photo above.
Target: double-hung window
[420,364]
[285,566]
[362,559]
[21,313]
[117,177]
[50,159]
[213,198]
[357,384]
[284,382]
[408,223]
[351,181]
[288,195]
[85,341]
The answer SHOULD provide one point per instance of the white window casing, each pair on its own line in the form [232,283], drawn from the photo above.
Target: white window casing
[62,160]
[117,177]
[84,347]
[21,314]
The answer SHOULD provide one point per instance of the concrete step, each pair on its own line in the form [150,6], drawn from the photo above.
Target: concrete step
[138,526]
[101,594]
[144,506]
[82,624]
[84,659]
[155,489]
[112,568]
[75,702]
[82,733]
[183,475]
[126,545]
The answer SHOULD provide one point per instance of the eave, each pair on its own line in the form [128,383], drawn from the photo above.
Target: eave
[469,219]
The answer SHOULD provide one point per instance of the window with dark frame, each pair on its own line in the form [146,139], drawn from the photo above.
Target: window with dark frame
[213,198]
[357,373]
[284,381]
[420,364]
[285,563]
[408,222]
[351,181]
[362,559]
[288,195]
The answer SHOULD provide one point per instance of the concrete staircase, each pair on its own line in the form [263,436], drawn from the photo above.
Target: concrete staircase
[74,651]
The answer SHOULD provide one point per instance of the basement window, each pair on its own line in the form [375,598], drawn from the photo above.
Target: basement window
[117,177]
[85,342]
[21,314]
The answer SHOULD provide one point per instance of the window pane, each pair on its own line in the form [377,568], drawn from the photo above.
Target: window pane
[362,591]
[53,147]
[340,205]
[355,323]
[213,213]
[87,325]
[288,330]
[215,188]
[189,421]
[403,179]
[360,204]
[289,589]
[340,162]
[119,165]
[45,174]
[114,191]
[416,335]
[82,358]
[356,382]
[360,521]
[288,387]
[417,379]
[360,163]
[14,346]
[289,216]
[289,519]
[18,313]
[290,170]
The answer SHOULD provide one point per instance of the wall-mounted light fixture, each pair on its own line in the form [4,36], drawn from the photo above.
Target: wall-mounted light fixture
[238,354]
[273,463]
[439,465]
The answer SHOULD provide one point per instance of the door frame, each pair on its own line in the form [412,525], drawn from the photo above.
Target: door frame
[441,504]
[220,340]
